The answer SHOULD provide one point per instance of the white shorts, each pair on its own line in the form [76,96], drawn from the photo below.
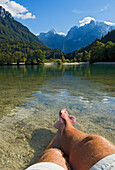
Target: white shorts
[45,166]
[107,163]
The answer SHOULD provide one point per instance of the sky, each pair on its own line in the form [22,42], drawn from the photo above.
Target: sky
[43,15]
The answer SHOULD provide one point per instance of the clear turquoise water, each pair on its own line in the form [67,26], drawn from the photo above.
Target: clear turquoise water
[31,97]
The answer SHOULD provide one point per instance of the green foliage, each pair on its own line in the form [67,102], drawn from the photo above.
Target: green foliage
[59,61]
[13,30]
[39,55]
[27,52]
[63,59]
[67,61]
[109,37]
[74,60]
[109,51]
[78,56]
[2,58]
[101,52]
[17,55]
[86,56]
[97,52]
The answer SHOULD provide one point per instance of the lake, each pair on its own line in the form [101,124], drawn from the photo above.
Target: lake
[30,100]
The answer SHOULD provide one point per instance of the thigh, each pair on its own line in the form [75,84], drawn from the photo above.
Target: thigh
[89,151]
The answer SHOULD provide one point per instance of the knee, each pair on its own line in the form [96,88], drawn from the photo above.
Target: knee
[52,153]
[57,156]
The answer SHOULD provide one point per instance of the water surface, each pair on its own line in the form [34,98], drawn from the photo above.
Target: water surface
[31,97]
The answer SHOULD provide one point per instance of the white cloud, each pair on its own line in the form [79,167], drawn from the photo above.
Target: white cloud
[109,23]
[77,11]
[3,1]
[16,9]
[86,20]
[105,8]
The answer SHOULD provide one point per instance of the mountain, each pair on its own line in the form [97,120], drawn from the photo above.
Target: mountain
[77,37]
[109,37]
[13,30]
[18,44]
[52,39]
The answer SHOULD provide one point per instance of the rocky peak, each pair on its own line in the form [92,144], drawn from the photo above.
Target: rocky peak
[5,14]
[72,32]
[52,31]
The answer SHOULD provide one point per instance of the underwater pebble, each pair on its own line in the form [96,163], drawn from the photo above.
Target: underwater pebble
[28,136]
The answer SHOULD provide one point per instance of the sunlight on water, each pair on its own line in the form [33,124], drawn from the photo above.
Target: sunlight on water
[31,98]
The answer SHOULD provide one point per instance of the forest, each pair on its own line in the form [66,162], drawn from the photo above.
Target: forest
[96,52]
[34,53]
[26,52]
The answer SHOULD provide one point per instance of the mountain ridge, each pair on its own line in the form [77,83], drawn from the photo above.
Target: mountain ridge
[12,29]
[4,13]
[76,37]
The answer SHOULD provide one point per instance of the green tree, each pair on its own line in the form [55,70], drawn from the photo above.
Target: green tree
[110,51]
[8,58]
[97,52]
[85,56]
[30,57]
[79,57]
[39,55]
[17,56]
[2,58]
[63,59]
[59,61]
[74,60]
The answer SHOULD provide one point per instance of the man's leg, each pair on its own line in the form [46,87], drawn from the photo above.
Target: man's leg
[83,150]
[54,154]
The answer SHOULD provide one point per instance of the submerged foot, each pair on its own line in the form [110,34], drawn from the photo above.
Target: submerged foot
[63,114]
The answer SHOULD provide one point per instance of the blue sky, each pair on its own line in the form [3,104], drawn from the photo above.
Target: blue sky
[42,15]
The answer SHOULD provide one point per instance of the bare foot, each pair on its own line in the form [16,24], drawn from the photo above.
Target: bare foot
[64,114]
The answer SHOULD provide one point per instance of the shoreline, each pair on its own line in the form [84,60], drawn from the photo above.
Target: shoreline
[52,63]
[80,63]
[76,63]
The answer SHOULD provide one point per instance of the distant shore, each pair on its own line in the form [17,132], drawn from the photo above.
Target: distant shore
[75,63]
[53,63]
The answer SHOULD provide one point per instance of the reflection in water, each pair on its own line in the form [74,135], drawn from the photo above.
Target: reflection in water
[16,83]
[31,97]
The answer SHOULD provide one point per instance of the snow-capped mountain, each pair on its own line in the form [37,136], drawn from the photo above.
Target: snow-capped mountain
[10,29]
[52,39]
[4,13]
[77,37]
